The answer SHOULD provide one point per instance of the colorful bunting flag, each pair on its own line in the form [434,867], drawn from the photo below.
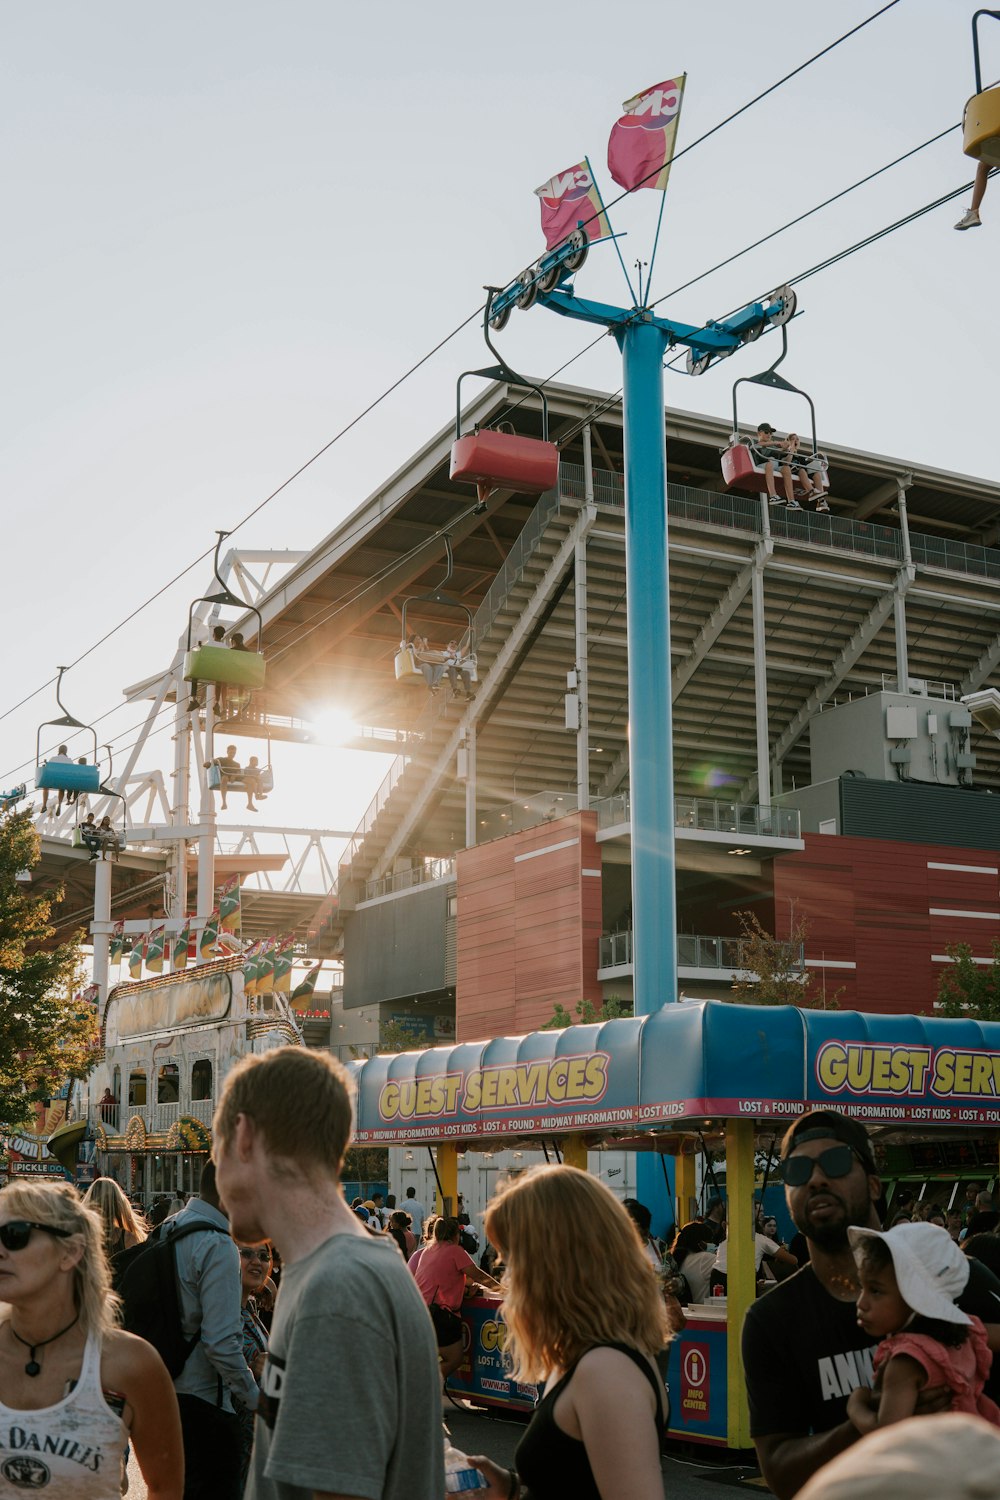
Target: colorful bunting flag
[208,938]
[283,960]
[641,144]
[250,967]
[567,198]
[154,951]
[135,958]
[265,968]
[91,995]
[117,941]
[305,990]
[229,905]
[182,943]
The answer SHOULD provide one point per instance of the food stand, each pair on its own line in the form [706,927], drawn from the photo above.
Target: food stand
[699,1070]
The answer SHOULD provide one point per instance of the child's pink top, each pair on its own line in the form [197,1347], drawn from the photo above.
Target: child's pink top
[963,1369]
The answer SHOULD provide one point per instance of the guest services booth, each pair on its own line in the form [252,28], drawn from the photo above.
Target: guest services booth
[698,1072]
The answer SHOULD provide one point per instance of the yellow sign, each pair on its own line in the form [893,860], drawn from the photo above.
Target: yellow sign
[946,1072]
[558,1080]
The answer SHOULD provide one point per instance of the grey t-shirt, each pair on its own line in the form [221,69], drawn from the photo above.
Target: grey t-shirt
[350,1397]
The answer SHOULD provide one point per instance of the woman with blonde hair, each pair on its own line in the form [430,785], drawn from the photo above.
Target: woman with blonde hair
[75,1387]
[123,1227]
[583,1313]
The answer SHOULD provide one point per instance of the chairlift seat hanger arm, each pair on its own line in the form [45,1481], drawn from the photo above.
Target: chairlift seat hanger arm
[771,378]
[500,371]
[225,595]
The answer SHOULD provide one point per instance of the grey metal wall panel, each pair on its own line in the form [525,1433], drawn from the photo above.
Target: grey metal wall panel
[395,949]
[917,814]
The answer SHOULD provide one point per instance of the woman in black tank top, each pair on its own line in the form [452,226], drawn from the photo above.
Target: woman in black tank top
[583,1310]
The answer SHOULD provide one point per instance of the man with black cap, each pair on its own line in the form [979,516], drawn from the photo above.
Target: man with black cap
[803,1351]
[767,449]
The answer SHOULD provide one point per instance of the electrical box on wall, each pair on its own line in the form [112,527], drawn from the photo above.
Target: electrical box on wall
[887,736]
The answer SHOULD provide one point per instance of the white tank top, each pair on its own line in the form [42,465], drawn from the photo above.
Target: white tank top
[70,1451]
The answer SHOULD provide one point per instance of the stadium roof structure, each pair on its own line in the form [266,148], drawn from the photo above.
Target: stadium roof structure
[902,580]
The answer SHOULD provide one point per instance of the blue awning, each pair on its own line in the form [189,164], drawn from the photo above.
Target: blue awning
[691,1060]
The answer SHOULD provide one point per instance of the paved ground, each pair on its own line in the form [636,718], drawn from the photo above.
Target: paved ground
[692,1477]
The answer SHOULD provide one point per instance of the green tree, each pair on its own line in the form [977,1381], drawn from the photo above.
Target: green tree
[777,963]
[968,988]
[586,1013]
[46,1036]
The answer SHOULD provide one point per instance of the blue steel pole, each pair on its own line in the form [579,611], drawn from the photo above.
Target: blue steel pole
[651,765]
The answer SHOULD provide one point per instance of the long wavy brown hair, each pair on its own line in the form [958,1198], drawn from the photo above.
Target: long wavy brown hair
[576,1273]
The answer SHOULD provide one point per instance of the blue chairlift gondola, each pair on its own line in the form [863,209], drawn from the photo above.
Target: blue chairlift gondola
[60,773]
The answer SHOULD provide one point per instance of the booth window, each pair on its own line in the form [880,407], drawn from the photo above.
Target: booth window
[201,1079]
[137,1087]
[168,1084]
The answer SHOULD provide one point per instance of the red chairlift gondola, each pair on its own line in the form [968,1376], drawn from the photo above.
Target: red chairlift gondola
[744,470]
[497,457]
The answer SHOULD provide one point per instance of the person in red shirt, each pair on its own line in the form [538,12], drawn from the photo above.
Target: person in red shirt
[442,1275]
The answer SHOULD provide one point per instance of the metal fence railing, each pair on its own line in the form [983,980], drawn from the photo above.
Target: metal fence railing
[694,951]
[405,880]
[840,533]
[711,815]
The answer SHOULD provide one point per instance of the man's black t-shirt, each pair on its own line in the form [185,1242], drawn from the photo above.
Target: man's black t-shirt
[803,1352]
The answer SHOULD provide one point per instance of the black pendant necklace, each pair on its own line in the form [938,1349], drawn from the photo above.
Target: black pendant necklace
[33,1367]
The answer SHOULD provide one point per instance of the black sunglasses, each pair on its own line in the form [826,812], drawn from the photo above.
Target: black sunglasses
[15,1234]
[836,1161]
[253,1254]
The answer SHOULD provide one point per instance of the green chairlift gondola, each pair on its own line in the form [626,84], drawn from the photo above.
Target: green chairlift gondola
[230,666]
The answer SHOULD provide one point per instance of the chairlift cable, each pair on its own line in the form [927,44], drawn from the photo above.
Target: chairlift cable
[425,358]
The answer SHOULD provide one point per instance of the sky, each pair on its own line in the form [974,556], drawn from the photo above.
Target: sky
[229,227]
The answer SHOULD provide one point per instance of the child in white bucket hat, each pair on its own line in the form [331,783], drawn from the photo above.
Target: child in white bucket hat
[910,1276]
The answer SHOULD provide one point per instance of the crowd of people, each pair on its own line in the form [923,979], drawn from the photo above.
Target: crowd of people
[333,1387]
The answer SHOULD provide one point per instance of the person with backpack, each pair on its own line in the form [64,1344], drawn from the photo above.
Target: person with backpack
[74,1388]
[196,1248]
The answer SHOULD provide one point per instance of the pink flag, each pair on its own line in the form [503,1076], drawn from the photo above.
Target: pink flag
[642,141]
[568,198]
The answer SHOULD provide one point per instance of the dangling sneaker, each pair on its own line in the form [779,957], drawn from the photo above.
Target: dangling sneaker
[776,500]
[970,220]
[822,505]
[792,505]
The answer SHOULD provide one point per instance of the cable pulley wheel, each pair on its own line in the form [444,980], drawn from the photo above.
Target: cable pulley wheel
[501,319]
[580,245]
[528,294]
[548,279]
[697,364]
[789,302]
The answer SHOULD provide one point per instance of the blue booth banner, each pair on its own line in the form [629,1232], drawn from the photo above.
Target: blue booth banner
[698,1382]
[704,1058]
[483,1373]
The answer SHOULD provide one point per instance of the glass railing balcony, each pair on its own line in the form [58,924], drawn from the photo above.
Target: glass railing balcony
[405,880]
[694,951]
[527,812]
[711,815]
